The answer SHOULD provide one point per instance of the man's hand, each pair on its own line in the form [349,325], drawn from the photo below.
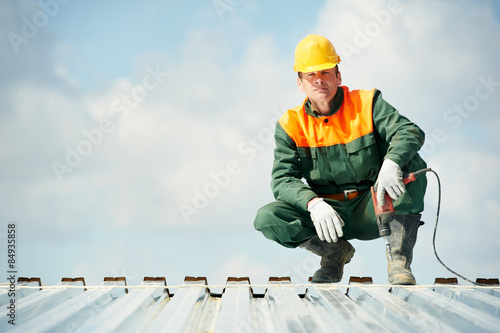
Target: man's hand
[327,222]
[390,180]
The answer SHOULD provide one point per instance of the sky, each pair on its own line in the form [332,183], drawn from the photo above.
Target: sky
[136,138]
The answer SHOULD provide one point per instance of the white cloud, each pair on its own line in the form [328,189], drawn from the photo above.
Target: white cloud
[466,234]
[424,59]
[161,149]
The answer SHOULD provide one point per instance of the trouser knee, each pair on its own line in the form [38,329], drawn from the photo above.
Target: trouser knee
[283,223]
[264,216]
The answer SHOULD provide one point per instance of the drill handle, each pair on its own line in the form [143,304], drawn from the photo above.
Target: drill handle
[388,207]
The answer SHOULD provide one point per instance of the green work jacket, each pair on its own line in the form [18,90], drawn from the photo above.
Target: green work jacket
[303,170]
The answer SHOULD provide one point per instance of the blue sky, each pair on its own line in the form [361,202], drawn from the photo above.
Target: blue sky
[170,107]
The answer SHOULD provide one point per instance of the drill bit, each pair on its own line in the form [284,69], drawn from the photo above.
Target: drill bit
[385,232]
[388,247]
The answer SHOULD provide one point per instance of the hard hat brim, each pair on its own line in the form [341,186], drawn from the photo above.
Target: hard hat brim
[328,65]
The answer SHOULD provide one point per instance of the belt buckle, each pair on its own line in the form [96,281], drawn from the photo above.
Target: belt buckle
[347,192]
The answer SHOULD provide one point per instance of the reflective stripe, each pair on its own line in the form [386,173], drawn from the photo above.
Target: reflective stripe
[352,121]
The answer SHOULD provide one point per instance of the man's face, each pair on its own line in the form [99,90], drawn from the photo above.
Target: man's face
[320,86]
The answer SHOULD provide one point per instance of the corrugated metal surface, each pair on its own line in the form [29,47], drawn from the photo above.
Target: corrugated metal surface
[155,307]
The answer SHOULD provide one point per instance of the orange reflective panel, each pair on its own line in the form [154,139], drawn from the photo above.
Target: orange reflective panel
[352,121]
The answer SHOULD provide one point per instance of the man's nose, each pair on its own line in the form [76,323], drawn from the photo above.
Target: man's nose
[319,78]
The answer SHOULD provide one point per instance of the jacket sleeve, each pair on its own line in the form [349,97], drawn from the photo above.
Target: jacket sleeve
[404,138]
[286,183]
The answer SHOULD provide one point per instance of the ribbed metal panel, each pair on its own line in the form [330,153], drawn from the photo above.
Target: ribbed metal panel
[183,312]
[448,311]
[394,313]
[479,301]
[237,308]
[284,307]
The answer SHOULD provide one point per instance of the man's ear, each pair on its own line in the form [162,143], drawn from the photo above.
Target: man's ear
[299,84]
[339,79]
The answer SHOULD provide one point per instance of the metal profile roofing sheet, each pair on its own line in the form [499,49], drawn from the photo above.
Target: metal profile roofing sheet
[153,307]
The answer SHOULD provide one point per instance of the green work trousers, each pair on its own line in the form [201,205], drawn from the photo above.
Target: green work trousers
[291,227]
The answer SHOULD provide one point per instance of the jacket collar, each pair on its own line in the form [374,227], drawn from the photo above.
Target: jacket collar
[335,105]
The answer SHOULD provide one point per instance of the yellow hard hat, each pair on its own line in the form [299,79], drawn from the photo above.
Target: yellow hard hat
[315,53]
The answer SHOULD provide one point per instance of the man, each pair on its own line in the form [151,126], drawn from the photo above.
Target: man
[342,142]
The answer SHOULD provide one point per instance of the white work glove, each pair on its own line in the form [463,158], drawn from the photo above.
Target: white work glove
[327,222]
[390,180]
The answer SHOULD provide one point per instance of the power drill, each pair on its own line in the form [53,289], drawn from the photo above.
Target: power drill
[385,213]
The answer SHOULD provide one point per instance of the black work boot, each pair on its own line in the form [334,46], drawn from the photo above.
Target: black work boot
[402,239]
[333,258]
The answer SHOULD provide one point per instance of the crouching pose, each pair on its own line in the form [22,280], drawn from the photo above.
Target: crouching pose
[342,141]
